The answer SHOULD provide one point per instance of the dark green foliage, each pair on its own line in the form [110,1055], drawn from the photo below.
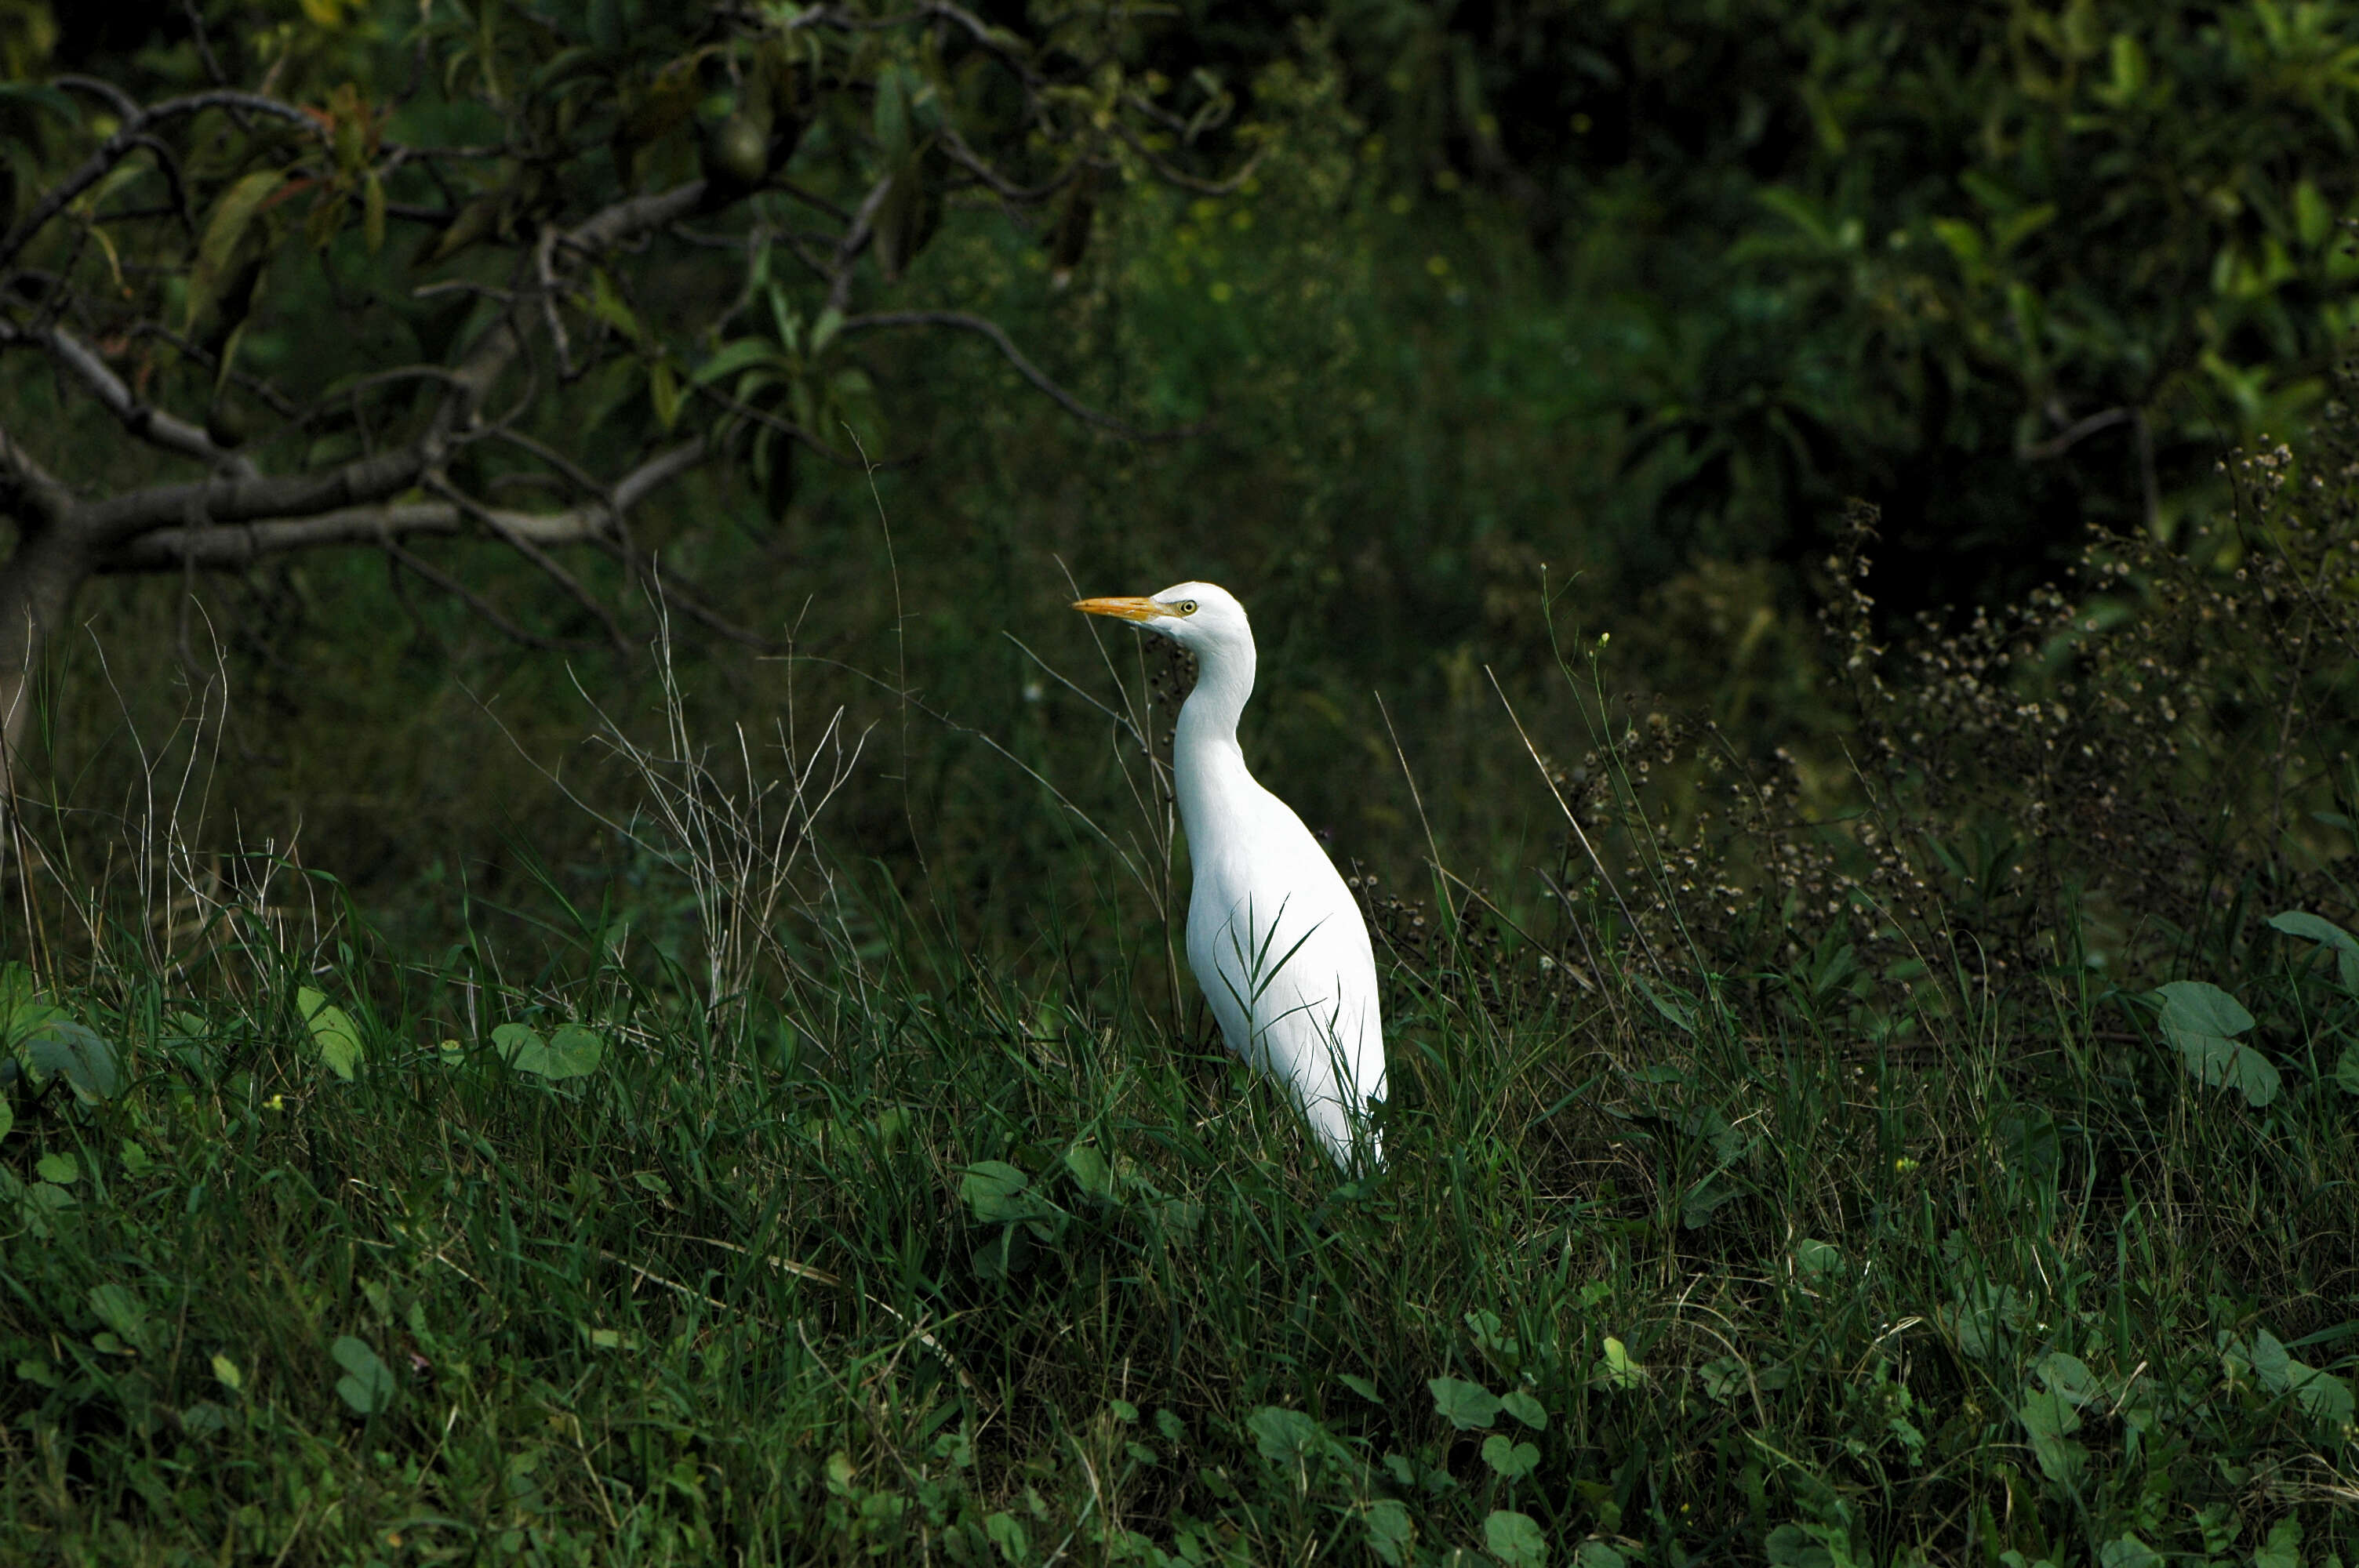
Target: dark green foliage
[2005,269]
[981,1264]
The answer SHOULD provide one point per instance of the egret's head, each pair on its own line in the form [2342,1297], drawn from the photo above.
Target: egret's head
[1197,615]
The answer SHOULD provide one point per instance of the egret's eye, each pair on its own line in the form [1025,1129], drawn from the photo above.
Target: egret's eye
[1186,607]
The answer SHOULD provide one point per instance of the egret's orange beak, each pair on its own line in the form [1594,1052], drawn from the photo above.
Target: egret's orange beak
[1122,609]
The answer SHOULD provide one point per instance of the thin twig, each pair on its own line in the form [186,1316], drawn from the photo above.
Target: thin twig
[1595,859]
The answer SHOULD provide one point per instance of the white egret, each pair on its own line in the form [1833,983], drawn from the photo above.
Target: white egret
[1274,937]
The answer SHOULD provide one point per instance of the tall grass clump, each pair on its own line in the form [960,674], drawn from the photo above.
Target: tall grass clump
[1960,1173]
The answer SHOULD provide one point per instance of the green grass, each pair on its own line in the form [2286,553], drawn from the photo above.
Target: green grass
[935,1261]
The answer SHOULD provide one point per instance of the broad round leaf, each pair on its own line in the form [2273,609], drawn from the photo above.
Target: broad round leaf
[1287,1437]
[332,1033]
[1515,1539]
[1511,1459]
[367,1385]
[2200,1021]
[2327,934]
[1468,1407]
[53,1045]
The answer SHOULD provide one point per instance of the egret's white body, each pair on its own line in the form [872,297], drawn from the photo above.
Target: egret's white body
[1274,937]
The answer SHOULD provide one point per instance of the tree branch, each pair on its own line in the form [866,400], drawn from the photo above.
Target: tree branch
[954,147]
[593,522]
[484,607]
[22,475]
[145,420]
[110,525]
[217,547]
[984,326]
[1171,174]
[854,241]
[127,135]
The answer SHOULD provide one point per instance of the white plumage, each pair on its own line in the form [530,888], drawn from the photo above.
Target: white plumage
[1274,937]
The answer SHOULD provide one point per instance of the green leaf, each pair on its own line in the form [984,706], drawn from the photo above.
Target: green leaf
[1391,1534]
[2327,934]
[665,392]
[572,1052]
[995,1192]
[2283,1548]
[1007,1534]
[42,96]
[52,1046]
[2346,1071]
[1091,1171]
[1511,1459]
[1468,1407]
[605,21]
[741,354]
[2050,1419]
[120,1309]
[226,1374]
[1287,1437]
[2068,1377]
[1514,1539]
[607,305]
[2313,218]
[2130,66]
[231,217]
[1965,243]
[367,1385]
[373,213]
[2028,1141]
[1597,1554]
[1361,1387]
[333,1034]
[892,114]
[1800,211]
[2129,1551]
[2200,1019]
[1819,1261]
[61,1168]
[1525,1409]
[1723,1379]
[1615,1369]
[7,1117]
[1681,1013]
[2324,1397]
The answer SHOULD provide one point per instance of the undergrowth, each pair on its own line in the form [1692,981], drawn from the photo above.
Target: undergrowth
[1955,1182]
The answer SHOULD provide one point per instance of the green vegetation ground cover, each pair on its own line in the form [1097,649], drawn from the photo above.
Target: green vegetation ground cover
[1924,1128]
[951,1261]
[1852,1235]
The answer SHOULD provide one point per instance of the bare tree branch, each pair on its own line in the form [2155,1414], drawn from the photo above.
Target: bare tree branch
[854,241]
[145,420]
[113,523]
[1170,174]
[23,476]
[954,147]
[635,216]
[279,404]
[217,546]
[484,607]
[984,326]
[111,152]
[540,557]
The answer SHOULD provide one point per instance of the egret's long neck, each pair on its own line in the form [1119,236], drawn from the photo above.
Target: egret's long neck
[1208,763]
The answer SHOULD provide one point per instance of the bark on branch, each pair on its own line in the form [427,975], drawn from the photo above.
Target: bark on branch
[145,420]
[128,135]
[983,327]
[216,547]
